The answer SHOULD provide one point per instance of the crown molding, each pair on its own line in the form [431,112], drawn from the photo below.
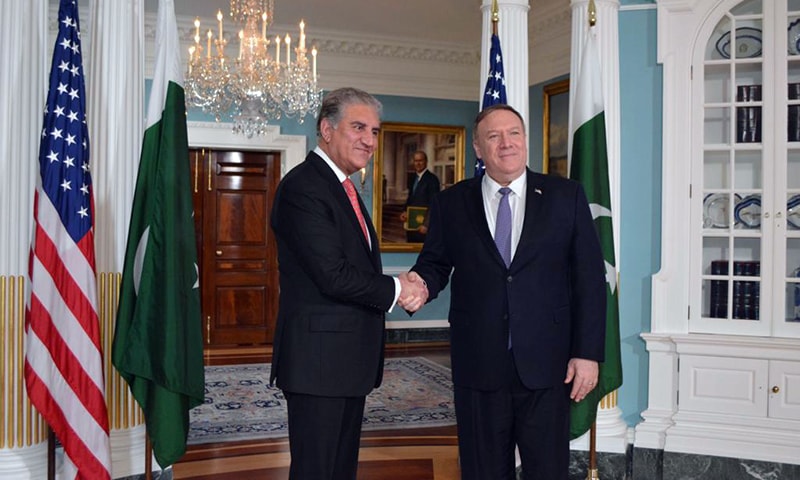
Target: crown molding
[394,65]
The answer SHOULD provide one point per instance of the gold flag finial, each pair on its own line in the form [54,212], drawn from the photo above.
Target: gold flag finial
[592,13]
[495,12]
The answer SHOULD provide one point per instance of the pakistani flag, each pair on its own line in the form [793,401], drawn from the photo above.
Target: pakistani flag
[158,344]
[590,167]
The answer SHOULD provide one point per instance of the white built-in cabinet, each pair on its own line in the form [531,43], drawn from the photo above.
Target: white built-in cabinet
[724,343]
[745,220]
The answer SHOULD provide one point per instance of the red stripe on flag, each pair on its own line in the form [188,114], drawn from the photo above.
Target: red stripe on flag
[86,246]
[88,464]
[80,306]
[68,364]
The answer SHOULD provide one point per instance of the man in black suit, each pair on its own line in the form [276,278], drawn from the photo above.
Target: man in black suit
[329,338]
[422,186]
[527,308]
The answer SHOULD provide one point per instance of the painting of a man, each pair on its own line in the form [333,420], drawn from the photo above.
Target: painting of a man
[422,186]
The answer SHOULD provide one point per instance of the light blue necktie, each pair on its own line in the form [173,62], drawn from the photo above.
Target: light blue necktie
[502,231]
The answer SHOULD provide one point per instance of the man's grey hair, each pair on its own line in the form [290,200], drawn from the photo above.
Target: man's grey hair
[493,108]
[335,102]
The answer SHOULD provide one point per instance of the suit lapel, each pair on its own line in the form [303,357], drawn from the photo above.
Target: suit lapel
[340,197]
[477,215]
[533,204]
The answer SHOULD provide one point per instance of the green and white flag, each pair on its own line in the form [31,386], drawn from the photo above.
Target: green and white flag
[590,167]
[158,343]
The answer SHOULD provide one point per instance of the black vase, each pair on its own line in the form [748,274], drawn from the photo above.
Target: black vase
[793,121]
[748,119]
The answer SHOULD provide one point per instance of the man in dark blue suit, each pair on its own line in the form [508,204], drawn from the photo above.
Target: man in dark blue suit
[329,338]
[423,185]
[527,305]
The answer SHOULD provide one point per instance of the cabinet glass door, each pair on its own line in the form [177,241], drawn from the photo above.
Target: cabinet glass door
[734,145]
[788,187]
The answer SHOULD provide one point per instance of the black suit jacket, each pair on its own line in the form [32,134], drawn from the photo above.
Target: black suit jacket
[427,188]
[329,337]
[552,296]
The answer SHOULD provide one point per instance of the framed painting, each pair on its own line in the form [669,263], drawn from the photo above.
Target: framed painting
[413,162]
[555,126]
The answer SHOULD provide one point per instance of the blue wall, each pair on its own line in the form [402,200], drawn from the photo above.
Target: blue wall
[640,198]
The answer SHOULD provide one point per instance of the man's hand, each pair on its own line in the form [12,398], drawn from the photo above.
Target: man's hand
[403,216]
[583,375]
[413,292]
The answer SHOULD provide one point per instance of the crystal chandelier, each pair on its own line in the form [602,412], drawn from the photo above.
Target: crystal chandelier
[255,86]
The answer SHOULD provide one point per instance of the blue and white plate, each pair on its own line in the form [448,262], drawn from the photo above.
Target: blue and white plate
[748,43]
[748,211]
[716,208]
[793,212]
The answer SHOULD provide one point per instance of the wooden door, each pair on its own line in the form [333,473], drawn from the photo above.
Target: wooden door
[238,257]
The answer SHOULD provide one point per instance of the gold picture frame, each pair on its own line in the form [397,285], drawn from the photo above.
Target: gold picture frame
[393,173]
[555,128]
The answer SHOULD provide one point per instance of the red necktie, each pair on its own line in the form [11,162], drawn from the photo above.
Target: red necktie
[351,194]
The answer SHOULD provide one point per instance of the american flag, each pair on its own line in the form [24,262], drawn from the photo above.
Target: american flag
[63,355]
[495,91]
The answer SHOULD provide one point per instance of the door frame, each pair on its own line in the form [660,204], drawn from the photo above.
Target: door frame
[220,136]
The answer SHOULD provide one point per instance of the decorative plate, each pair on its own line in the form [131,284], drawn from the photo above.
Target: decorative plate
[748,43]
[715,210]
[794,37]
[793,212]
[748,211]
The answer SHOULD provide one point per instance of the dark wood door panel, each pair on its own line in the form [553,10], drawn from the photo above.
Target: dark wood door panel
[239,260]
[241,216]
[240,314]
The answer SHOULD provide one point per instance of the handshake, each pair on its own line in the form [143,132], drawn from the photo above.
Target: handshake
[413,292]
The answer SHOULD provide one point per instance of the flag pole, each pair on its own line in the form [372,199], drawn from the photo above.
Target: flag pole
[148,457]
[51,454]
[592,473]
[495,16]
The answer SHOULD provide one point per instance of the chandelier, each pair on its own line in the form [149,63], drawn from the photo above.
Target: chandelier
[254,86]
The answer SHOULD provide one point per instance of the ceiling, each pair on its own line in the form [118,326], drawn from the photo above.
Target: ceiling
[457,21]
[408,42]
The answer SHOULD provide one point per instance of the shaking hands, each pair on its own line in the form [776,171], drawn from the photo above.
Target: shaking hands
[413,292]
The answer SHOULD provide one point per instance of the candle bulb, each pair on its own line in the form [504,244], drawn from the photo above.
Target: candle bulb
[219,18]
[208,50]
[264,25]
[302,36]
[197,29]
[241,43]
[191,58]
[288,50]
[277,49]
[314,64]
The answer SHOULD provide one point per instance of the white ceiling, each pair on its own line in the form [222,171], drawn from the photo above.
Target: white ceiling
[457,21]
[408,42]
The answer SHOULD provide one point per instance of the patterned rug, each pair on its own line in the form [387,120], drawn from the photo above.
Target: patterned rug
[240,404]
